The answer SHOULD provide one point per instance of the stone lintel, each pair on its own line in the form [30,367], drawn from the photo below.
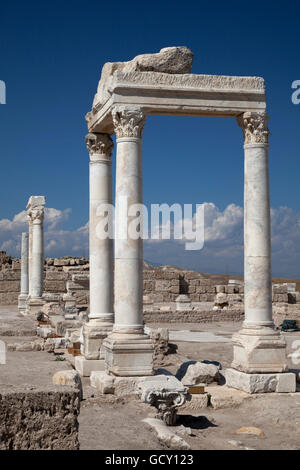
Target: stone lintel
[177,94]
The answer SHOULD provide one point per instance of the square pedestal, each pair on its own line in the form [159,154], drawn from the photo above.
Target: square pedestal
[22,303]
[110,384]
[261,383]
[259,350]
[34,305]
[93,334]
[85,366]
[128,355]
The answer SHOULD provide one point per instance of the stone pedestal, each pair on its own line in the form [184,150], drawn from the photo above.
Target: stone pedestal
[101,315]
[128,351]
[35,213]
[183,303]
[261,383]
[85,367]
[24,274]
[258,348]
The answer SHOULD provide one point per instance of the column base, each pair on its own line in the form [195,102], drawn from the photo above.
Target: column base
[85,366]
[128,355]
[34,305]
[93,333]
[261,383]
[22,303]
[259,350]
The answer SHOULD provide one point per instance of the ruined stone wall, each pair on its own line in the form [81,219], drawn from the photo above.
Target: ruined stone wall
[165,285]
[67,280]
[57,274]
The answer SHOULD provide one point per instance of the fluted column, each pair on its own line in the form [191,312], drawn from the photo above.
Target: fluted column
[128,350]
[24,273]
[257,347]
[101,316]
[35,212]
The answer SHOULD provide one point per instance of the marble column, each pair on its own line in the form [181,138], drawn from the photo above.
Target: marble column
[101,316]
[35,212]
[258,347]
[128,350]
[24,274]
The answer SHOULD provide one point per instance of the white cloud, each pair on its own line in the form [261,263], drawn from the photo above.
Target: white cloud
[222,252]
[58,241]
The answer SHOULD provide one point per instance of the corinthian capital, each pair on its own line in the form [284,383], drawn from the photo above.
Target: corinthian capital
[254,127]
[99,144]
[128,122]
[36,215]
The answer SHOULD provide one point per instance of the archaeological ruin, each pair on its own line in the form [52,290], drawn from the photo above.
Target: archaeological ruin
[113,319]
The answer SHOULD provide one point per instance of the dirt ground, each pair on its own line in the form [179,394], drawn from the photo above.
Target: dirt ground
[111,423]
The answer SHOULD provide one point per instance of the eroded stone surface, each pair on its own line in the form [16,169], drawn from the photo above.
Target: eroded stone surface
[33,418]
[194,373]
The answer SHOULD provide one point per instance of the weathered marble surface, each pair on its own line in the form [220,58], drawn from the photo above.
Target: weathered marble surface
[35,214]
[24,273]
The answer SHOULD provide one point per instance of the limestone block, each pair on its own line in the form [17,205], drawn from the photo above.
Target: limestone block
[85,366]
[56,276]
[103,382]
[52,308]
[194,373]
[45,331]
[261,383]
[166,435]
[9,286]
[61,262]
[195,403]
[63,325]
[162,285]
[54,286]
[221,299]
[68,377]
[177,60]
[220,289]
[222,397]
[286,383]
[183,302]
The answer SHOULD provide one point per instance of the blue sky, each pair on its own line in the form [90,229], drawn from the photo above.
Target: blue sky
[51,57]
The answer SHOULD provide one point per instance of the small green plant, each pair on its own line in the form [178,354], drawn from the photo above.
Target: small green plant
[60,358]
[209,403]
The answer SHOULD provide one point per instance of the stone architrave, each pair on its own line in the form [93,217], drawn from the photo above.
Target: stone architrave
[24,274]
[35,214]
[128,350]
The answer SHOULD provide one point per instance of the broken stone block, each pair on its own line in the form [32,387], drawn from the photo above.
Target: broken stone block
[45,331]
[183,303]
[168,60]
[166,435]
[221,301]
[194,373]
[103,382]
[52,308]
[68,377]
